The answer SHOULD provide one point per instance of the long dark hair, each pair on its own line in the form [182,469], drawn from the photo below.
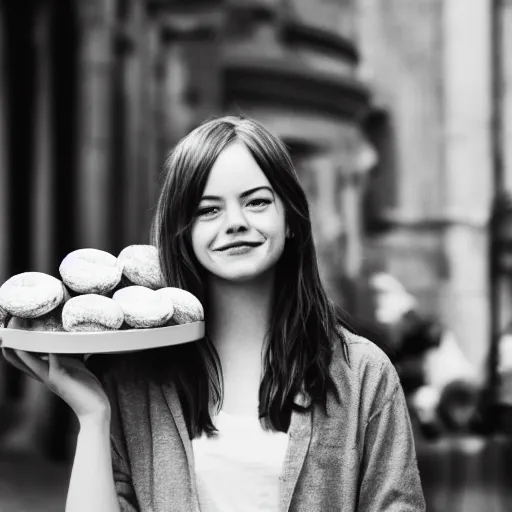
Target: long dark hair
[305,323]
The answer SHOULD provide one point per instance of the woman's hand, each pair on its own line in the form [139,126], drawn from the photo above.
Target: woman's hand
[68,378]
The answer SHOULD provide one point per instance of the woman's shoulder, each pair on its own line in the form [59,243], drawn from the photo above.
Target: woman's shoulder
[121,374]
[364,350]
[359,349]
[361,367]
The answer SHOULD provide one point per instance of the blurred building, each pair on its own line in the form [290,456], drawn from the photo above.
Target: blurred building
[387,107]
[398,114]
[96,93]
[430,65]
[441,81]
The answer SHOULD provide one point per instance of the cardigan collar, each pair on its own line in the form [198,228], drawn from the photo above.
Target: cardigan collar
[299,436]
[171,397]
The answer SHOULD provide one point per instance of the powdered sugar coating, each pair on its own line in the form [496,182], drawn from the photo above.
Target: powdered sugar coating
[143,308]
[91,271]
[91,312]
[141,266]
[187,307]
[31,294]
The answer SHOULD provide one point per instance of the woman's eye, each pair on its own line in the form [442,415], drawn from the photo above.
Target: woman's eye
[259,203]
[207,211]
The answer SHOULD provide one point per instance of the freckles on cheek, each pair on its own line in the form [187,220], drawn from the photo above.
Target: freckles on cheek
[202,238]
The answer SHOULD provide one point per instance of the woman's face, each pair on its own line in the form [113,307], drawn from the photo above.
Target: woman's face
[240,229]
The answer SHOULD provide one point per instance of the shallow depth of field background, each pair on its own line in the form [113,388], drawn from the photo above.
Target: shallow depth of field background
[398,116]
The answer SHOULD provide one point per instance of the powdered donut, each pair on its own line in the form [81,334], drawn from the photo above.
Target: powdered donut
[91,271]
[50,322]
[187,307]
[143,308]
[142,266]
[91,313]
[31,294]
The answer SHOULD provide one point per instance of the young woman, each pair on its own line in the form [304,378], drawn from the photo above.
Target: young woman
[280,407]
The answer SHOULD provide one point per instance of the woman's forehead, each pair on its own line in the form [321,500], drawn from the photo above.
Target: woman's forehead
[234,172]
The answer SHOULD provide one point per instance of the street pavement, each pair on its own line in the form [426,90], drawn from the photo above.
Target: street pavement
[31,484]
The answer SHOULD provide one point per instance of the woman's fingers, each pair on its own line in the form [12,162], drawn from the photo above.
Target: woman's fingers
[45,368]
[57,366]
[77,386]
[11,357]
[68,361]
[64,364]
[36,365]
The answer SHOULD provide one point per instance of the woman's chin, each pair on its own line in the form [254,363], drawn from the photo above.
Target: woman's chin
[243,273]
[241,276]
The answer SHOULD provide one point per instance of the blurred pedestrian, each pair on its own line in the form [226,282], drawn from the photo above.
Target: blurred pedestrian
[441,385]
[502,409]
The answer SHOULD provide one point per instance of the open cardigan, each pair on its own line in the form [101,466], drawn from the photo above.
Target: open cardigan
[356,455]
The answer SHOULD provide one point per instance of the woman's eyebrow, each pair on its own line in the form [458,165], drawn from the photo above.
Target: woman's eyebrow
[242,195]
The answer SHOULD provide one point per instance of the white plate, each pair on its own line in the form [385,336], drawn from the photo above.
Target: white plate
[108,342]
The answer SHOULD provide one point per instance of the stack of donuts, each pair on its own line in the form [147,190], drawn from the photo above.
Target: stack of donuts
[97,292]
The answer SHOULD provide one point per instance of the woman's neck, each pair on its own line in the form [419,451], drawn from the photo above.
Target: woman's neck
[239,310]
[238,321]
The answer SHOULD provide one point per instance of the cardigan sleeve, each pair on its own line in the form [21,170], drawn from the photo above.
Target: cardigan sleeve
[120,465]
[123,481]
[389,478]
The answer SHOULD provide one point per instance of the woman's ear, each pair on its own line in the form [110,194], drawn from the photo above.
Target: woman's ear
[289,233]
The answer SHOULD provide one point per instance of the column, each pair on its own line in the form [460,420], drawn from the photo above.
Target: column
[4,184]
[93,193]
[135,76]
[328,221]
[353,162]
[191,71]
[150,159]
[468,164]
[504,108]
[43,196]
[4,170]
[502,281]
[505,63]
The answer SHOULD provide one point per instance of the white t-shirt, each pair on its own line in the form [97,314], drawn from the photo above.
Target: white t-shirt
[239,469]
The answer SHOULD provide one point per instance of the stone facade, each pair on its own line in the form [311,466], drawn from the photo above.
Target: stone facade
[429,63]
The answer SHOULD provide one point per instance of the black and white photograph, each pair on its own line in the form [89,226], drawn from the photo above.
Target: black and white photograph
[256,256]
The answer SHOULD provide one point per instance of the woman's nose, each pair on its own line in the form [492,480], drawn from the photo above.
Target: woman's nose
[235,220]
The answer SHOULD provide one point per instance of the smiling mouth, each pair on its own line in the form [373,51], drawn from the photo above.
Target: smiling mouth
[238,244]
